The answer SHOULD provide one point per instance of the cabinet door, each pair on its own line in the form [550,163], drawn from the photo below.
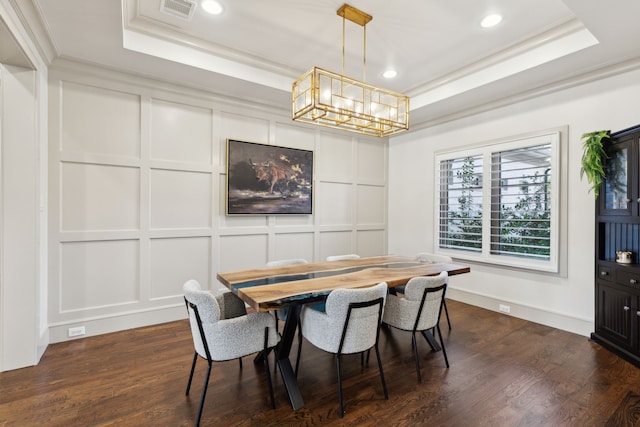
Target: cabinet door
[617,192]
[615,315]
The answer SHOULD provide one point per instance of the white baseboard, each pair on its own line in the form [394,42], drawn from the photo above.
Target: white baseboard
[119,322]
[43,343]
[99,326]
[553,319]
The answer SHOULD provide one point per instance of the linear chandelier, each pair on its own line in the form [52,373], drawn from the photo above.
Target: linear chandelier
[330,99]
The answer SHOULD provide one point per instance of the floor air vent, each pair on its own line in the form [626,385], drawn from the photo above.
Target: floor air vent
[181,8]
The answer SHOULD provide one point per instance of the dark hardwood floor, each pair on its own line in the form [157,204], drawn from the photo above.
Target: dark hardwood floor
[504,372]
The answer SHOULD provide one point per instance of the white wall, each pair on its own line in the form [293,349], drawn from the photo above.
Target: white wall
[19,220]
[137,195]
[562,302]
[23,210]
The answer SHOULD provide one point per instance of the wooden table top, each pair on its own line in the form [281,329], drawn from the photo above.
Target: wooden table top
[268,288]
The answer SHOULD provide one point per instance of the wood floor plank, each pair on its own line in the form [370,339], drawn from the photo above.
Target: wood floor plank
[504,372]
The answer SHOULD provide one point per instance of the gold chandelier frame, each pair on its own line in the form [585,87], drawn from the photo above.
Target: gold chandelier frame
[330,99]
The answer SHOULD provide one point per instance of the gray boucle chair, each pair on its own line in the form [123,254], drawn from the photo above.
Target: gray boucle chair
[350,324]
[222,330]
[418,310]
[427,257]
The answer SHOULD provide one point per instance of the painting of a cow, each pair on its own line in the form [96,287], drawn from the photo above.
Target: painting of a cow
[272,172]
[266,179]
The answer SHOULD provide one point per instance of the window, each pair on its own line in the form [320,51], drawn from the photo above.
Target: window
[498,203]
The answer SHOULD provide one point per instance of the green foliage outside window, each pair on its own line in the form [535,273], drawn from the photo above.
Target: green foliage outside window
[525,226]
[522,229]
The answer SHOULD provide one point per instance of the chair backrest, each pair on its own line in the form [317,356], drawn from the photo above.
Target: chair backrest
[355,316]
[433,258]
[285,262]
[204,311]
[424,298]
[341,257]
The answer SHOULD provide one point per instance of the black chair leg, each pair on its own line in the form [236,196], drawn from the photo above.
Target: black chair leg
[266,367]
[446,311]
[415,353]
[193,368]
[444,351]
[384,384]
[339,370]
[204,393]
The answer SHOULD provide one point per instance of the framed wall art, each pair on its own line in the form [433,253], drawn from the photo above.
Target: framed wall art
[267,179]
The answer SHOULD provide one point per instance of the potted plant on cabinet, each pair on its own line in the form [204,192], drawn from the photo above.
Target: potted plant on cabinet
[593,156]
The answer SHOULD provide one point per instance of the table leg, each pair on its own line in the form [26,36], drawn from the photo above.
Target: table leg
[284,362]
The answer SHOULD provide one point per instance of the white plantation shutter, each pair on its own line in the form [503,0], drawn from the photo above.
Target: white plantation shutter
[461,203]
[498,203]
[520,202]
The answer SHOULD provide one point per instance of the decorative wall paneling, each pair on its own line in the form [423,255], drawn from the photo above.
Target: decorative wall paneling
[137,189]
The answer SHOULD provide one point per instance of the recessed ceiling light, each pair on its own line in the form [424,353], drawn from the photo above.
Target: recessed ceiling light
[491,21]
[212,6]
[389,74]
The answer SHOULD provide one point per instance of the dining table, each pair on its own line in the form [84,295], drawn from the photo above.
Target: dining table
[271,288]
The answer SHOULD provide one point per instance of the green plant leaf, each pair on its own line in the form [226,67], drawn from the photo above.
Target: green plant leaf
[593,156]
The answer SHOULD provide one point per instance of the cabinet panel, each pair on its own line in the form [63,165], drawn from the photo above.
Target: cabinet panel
[615,314]
[636,325]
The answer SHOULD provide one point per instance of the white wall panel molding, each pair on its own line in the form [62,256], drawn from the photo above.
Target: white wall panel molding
[371,227]
[96,325]
[93,235]
[90,74]
[136,214]
[369,241]
[99,197]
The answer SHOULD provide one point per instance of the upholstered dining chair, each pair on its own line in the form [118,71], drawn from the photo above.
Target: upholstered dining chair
[434,258]
[418,310]
[222,330]
[341,257]
[350,324]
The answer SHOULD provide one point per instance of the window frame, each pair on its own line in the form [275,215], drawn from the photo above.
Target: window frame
[557,189]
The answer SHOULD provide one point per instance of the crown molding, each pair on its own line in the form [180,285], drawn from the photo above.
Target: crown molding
[611,70]
[30,17]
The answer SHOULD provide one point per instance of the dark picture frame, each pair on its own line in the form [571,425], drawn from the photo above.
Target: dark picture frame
[268,179]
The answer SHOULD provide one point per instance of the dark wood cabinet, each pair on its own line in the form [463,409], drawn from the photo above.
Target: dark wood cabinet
[619,195]
[617,285]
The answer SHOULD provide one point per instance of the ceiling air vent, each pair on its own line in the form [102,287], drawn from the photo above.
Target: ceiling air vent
[181,8]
